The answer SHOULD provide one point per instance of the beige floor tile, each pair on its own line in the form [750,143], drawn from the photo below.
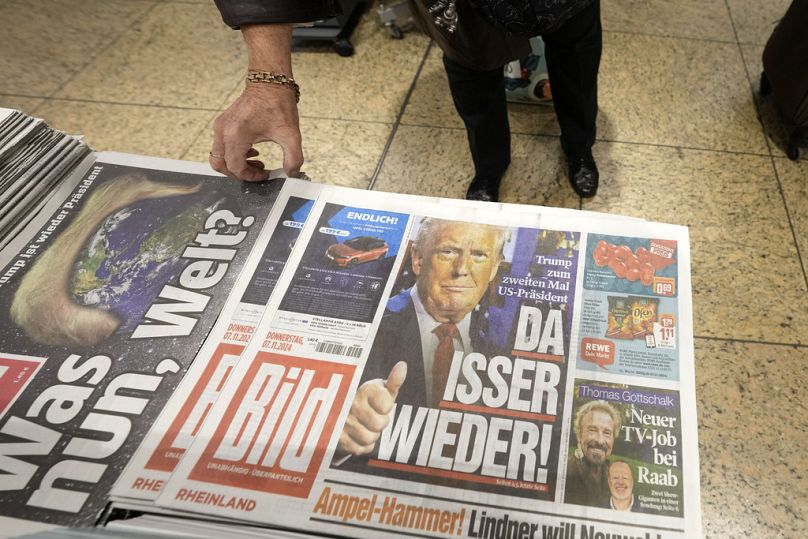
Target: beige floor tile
[701,19]
[436,162]
[431,104]
[26,104]
[46,42]
[751,436]
[181,55]
[755,20]
[337,152]
[747,281]
[676,92]
[127,128]
[654,90]
[369,86]
[794,179]
[753,58]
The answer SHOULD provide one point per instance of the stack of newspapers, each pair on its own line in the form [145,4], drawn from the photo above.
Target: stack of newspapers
[33,157]
[186,355]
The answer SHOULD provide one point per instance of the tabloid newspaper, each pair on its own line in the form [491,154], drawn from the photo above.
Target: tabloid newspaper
[33,158]
[105,299]
[185,412]
[366,363]
[440,370]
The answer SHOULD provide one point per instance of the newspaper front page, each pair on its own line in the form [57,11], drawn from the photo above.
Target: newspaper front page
[182,417]
[190,404]
[105,299]
[439,371]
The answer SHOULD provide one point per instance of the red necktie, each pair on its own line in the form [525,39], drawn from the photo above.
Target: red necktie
[446,333]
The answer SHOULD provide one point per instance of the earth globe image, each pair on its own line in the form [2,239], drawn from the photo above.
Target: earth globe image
[136,251]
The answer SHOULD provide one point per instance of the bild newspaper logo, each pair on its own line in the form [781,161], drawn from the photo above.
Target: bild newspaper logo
[180,435]
[15,374]
[275,431]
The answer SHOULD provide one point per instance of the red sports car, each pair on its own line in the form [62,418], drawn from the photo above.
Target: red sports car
[356,251]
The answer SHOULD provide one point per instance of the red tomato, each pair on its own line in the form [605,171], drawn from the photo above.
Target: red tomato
[647,274]
[633,274]
[642,254]
[600,259]
[602,251]
[618,267]
[623,253]
[633,262]
[601,245]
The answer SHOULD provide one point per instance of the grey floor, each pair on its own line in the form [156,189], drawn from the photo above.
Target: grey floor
[683,138]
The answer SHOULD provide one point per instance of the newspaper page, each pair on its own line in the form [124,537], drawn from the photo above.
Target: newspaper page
[318,331]
[635,362]
[335,426]
[495,448]
[655,470]
[183,415]
[173,432]
[15,128]
[33,159]
[104,303]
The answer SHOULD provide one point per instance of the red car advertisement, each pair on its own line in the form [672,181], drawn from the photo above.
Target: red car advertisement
[357,251]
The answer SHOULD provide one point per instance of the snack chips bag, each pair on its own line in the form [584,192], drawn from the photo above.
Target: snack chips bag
[643,315]
[620,324]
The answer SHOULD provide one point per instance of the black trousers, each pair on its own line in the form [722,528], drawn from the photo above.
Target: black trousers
[573,58]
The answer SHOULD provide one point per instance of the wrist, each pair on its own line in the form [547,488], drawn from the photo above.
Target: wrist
[269,47]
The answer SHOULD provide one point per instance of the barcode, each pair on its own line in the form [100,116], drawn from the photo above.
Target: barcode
[339,349]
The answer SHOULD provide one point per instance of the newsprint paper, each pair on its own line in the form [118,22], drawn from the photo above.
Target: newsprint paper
[435,370]
[354,363]
[105,300]
[174,430]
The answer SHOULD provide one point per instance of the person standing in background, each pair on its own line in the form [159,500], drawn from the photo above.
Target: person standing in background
[475,50]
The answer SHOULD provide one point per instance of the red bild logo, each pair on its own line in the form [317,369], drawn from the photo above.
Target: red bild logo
[15,373]
[274,433]
[183,429]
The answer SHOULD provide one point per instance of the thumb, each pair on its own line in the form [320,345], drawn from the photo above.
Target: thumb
[396,378]
[292,157]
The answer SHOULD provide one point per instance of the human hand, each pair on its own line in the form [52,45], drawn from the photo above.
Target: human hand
[370,411]
[263,112]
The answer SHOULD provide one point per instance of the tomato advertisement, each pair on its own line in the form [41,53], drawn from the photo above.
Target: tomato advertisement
[629,307]
[640,266]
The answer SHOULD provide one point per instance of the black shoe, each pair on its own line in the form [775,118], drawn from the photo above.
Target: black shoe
[486,190]
[583,174]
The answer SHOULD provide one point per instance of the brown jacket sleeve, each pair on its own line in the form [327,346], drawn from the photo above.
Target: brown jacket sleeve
[476,44]
[236,13]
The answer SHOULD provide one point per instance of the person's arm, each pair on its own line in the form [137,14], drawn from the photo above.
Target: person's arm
[237,13]
[264,112]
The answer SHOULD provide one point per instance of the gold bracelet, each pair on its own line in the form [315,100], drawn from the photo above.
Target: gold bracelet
[271,77]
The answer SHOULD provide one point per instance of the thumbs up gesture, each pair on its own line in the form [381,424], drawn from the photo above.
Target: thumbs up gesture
[370,411]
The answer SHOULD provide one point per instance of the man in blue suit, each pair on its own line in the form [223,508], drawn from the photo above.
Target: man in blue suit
[454,264]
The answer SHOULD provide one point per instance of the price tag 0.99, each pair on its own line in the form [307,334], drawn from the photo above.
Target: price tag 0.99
[664,286]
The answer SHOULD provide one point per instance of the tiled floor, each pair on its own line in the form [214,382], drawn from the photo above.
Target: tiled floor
[680,140]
